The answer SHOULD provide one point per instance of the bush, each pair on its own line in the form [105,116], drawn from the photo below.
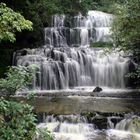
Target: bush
[43,134]
[17,121]
[16,79]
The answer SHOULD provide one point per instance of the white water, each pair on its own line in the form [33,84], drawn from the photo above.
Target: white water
[83,31]
[60,66]
[67,68]
[75,127]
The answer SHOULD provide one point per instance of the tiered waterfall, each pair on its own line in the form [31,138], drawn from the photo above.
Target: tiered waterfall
[68,61]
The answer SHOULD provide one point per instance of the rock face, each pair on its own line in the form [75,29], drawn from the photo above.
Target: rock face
[97,89]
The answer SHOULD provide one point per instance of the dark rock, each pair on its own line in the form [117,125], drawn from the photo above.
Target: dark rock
[131,81]
[100,123]
[131,65]
[22,52]
[97,89]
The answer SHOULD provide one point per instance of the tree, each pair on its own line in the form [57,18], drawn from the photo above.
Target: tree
[126,33]
[126,26]
[11,22]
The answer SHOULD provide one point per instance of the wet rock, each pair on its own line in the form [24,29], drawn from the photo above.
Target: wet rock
[24,52]
[100,122]
[97,89]
[131,65]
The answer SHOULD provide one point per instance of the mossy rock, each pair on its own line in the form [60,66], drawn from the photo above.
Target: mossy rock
[102,45]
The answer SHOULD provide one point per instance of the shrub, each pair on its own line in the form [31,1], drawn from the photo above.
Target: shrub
[17,121]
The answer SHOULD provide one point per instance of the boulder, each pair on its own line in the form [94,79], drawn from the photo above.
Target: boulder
[97,89]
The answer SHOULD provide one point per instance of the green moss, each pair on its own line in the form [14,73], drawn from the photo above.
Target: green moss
[102,45]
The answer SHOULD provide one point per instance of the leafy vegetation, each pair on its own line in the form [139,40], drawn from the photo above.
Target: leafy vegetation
[108,5]
[44,134]
[17,121]
[16,79]
[134,77]
[11,22]
[126,27]
[126,31]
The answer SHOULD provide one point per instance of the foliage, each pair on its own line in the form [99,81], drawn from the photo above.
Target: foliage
[16,79]
[44,134]
[134,76]
[108,5]
[126,32]
[17,121]
[126,26]
[31,96]
[102,45]
[11,22]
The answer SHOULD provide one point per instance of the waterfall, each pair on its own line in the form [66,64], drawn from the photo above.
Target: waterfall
[67,61]
[65,68]
[83,31]
[131,124]
[71,127]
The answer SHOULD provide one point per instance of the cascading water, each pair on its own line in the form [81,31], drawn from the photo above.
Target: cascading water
[82,31]
[68,127]
[76,127]
[65,68]
[67,61]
